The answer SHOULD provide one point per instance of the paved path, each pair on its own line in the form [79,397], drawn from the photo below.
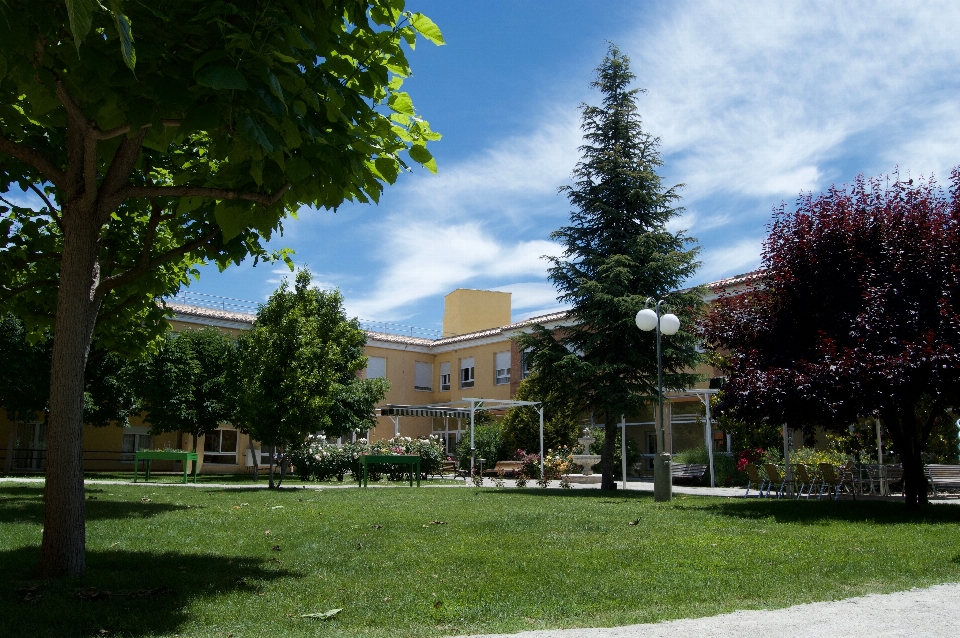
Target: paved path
[934,611]
[292,482]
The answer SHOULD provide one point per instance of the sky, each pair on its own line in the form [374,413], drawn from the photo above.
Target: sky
[753,102]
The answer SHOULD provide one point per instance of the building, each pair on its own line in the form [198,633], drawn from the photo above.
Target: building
[475,357]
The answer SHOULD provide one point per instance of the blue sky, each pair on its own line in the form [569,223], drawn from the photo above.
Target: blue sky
[754,102]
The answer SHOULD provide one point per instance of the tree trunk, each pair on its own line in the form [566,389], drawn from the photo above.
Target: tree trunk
[62,551]
[273,450]
[283,468]
[904,430]
[607,481]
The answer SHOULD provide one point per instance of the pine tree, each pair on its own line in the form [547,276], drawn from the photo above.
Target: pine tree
[617,253]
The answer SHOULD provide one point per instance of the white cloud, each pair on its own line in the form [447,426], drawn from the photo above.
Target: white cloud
[756,99]
[531,294]
[731,259]
[427,259]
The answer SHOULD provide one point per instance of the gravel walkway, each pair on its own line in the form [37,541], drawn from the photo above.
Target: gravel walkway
[934,611]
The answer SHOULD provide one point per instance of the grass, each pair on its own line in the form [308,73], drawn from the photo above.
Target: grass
[405,562]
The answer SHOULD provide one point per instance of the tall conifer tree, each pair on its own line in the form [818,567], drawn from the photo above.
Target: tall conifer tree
[617,253]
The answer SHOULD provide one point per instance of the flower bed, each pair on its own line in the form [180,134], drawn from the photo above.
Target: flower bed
[321,461]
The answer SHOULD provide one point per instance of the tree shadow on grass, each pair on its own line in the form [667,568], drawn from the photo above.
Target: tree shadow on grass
[122,592]
[19,504]
[612,495]
[819,512]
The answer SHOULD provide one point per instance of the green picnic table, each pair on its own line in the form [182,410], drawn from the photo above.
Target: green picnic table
[166,455]
[413,460]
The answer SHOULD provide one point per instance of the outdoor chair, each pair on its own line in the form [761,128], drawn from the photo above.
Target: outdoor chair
[804,479]
[833,480]
[754,479]
[776,477]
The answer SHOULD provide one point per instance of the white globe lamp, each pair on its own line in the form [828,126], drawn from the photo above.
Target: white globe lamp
[669,324]
[647,319]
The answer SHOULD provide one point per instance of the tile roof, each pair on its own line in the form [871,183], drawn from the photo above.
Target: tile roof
[211,313]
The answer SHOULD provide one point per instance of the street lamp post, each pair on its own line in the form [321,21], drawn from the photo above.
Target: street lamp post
[668,324]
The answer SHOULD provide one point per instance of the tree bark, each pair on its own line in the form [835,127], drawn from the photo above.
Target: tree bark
[904,430]
[62,551]
[607,481]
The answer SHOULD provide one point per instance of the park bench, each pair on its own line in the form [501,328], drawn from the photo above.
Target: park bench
[510,469]
[692,472]
[943,476]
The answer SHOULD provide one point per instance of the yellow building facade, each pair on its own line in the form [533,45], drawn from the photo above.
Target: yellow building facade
[477,357]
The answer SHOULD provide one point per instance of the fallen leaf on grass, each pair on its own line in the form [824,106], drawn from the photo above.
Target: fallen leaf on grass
[144,499]
[377,526]
[636,522]
[92,593]
[266,533]
[29,595]
[277,507]
[387,599]
[438,522]
[438,604]
[322,615]
[104,632]
[275,548]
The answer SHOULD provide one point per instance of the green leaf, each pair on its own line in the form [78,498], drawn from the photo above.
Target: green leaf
[80,13]
[284,58]
[219,76]
[427,28]
[323,615]
[273,83]
[421,155]
[401,103]
[249,127]
[232,219]
[207,58]
[387,166]
[126,40]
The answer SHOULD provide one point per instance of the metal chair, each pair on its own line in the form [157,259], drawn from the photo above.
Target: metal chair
[803,480]
[753,478]
[835,481]
[776,477]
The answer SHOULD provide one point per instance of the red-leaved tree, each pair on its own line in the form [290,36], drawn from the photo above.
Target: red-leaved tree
[856,314]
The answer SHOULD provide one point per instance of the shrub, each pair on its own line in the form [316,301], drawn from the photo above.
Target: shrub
[490,444]
[724,469]
[321,461]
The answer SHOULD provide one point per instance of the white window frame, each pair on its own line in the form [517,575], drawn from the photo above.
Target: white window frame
[502,372]
[218,457]
[467,372]
[445,376]
[526,364]
[141,438]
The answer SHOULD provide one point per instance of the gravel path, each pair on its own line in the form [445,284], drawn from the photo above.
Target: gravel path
[934,611]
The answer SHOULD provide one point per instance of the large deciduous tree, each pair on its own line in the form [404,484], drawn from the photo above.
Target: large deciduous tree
[185,385]
[856,315]
[299,367]
[617,252]
[185,140]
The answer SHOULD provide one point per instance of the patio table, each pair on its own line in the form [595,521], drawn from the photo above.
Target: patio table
[166,455]
[413,460]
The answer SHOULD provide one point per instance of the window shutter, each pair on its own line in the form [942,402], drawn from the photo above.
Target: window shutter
[503,360]
[376,367]
[423,376]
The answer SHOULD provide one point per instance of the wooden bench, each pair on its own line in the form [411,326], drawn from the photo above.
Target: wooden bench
[942,476]
[692,472]
[510,469]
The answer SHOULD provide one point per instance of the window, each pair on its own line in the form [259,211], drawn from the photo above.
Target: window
[134,438]
[423,376]
[466,372]
[526,363]
[445,376]
[502,366]
[376,367]
[220,447]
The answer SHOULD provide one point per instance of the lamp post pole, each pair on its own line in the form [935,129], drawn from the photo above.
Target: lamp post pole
[667,324]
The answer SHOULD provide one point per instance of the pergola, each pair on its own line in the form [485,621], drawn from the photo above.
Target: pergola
[462,409]
[703,395]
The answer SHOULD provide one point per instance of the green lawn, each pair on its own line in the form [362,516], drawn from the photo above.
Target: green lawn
[429,562]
